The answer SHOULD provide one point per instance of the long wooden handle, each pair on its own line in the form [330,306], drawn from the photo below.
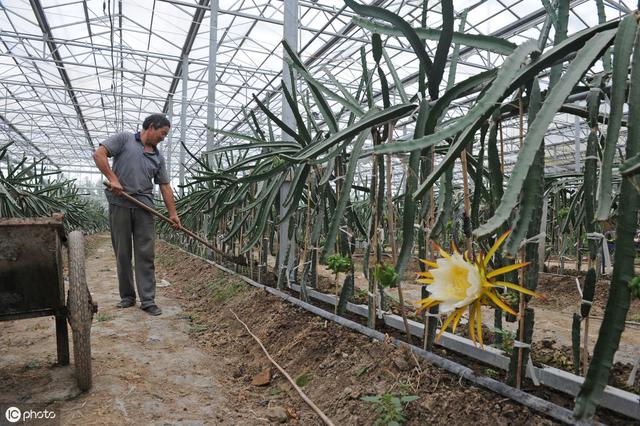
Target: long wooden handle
[143,206]
[169,221]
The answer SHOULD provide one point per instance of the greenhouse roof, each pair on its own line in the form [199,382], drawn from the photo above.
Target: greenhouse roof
[74,72]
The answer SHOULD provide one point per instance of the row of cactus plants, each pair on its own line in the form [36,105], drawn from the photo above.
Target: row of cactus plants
[29,188]
[234,191]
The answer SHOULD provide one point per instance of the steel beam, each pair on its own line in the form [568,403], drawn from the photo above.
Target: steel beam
[27,141]
[186,50]
[211,87]
[183,122]
[46,30]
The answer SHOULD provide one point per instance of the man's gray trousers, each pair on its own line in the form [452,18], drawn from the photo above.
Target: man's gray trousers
[134,225]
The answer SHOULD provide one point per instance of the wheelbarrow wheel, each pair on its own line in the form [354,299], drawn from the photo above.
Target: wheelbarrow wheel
[80,312]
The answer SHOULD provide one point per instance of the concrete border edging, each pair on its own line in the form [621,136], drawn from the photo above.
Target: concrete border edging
[613,398]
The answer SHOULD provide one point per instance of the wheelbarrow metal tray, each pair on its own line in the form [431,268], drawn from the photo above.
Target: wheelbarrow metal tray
[31,281]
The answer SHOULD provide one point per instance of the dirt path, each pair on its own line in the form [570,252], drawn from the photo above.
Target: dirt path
[145,369]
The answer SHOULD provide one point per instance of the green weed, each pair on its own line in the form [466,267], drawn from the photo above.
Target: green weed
[304,379]
[389,408]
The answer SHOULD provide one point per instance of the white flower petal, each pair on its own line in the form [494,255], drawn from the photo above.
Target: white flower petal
[456,283]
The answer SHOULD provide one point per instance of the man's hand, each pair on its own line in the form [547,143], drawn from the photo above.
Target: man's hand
[176,221]
[116,187]
[167,196]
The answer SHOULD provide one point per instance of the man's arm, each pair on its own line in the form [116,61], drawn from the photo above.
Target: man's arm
[102,161]
[167,196]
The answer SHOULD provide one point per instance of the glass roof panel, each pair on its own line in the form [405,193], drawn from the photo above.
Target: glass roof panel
[122,60]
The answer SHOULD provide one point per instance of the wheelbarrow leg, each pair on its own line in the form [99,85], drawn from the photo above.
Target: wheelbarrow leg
[62,339]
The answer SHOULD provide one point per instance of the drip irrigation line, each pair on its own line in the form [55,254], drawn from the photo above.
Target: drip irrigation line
[538,404]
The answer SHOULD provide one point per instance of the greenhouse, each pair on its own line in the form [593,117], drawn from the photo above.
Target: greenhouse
[339,212]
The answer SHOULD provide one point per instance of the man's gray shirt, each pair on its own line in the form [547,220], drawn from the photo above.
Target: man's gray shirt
[136,169]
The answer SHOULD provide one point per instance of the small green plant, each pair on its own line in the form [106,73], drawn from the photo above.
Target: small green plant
[360,293]
[494,374]
[448,227]
[386,275]
[511,298]
[223,291]
[389,408]
[563,213]
[405,387]
[507,339]
[32,364]
[102,316]
[197,328]
[275,392]
[338,263]
[634,286]
[361,370]
[304,379]
[189,316]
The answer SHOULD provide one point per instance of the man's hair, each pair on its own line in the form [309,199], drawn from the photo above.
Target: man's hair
[156,120]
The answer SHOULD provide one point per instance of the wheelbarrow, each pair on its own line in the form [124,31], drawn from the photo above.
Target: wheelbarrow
[32,284]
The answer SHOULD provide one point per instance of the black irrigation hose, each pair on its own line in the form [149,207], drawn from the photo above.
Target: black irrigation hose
[541,405]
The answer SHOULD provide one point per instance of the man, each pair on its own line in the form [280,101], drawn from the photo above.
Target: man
[136,162]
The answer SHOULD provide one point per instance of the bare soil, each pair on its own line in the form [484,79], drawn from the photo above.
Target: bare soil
[336,366]
[146,370]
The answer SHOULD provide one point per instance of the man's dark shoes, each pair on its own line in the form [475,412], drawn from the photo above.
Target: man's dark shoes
[126,303]
[152,310]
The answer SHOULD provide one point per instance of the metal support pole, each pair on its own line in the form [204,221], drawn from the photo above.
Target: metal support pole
[577,151]
[183,121]
[213,50]
[291,37]
[211,101]
[170,138]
